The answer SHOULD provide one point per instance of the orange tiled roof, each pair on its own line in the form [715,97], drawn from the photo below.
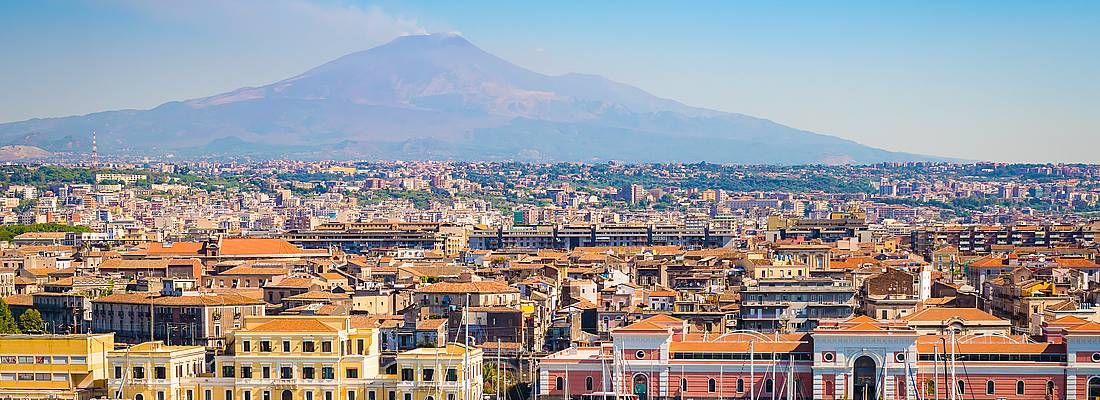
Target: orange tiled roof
[943,314]
[294,325]
[468,287]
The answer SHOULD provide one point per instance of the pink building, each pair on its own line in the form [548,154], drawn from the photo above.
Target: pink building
[859,358]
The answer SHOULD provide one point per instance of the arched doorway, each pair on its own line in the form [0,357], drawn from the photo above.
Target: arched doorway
[864,382]
[288,395]
[641,387]
[1094,387]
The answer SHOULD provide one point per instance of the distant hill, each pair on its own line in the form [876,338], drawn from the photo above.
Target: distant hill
[20,152]
[440,97]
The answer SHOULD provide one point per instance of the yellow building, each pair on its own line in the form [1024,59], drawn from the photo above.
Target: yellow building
[155,371]
[54,366]
[300,358]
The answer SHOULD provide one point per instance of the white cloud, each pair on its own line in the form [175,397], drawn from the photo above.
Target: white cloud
[293,21]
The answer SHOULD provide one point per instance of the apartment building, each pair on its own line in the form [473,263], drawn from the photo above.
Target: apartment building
[54,366]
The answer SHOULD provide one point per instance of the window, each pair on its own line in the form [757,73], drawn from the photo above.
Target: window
[1050,388]
[286,346]
[359,345]
[286,373]
[309,395]
[228,394]
[1019,388]
[740,385]
[351,373]
[961,387]
[78,360]
[307,346]
[265,346]
[640,354]
[307,372]
[559,383]
[452,375]
[246,346]
[392,396]
[265,372]
[990,387]
[768,386]
[160,373]
[429,374]
[139,373]
[351,395]
[683,384]
[208,395]
[160,395]
[246,372]
[328,395]
[267,395]
[371,395]
[328,373]
[139,396]
[118,372]
[247,395]
[712,385]
[408,396]
[326,347]
[588,383]
[227,371]
[407,374]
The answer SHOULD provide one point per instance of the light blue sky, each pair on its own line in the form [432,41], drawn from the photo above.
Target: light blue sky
[1006,81]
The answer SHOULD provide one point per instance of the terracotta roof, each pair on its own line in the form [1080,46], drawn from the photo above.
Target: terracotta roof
[430,324]
[643,326]
[254,246]
[468,287]
[250,270]
[20,300]
[943,314]
[318,295]
[294,325]
[196,300]
[177,248]
[304,283]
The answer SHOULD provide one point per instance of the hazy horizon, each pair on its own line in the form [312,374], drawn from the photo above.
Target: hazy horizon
[1008,83]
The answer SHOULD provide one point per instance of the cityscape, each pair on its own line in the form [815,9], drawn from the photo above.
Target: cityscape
[421,219]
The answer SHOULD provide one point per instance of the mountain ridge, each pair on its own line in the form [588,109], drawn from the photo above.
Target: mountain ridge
[439,96]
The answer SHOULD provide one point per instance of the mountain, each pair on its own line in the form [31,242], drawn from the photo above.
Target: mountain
[440,97]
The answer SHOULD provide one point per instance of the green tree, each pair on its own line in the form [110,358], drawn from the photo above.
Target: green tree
[7,322]
[31,322]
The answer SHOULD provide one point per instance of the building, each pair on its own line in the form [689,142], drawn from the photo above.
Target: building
[201,319]
[54,366]
[794,305]
[331,358]
[155,371]
[857,358]
[356,237]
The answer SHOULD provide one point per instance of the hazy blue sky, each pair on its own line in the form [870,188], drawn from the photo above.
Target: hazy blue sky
[1011,81]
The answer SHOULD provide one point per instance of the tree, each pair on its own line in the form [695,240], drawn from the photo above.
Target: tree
[7,322]
[31,322]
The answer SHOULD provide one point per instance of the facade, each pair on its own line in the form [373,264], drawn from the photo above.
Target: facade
[794,305]
[573,236]
[53,366]
[358,236]
[858,358]
[201,319]
[299,358]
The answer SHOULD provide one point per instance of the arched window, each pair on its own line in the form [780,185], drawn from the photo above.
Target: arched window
[588,383]
[139,396]
[960,387]
[1050,388]
[768,386]
[1019,388]
[559,383]
[683,384]
[711,385]
[740,385]
[990,387]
